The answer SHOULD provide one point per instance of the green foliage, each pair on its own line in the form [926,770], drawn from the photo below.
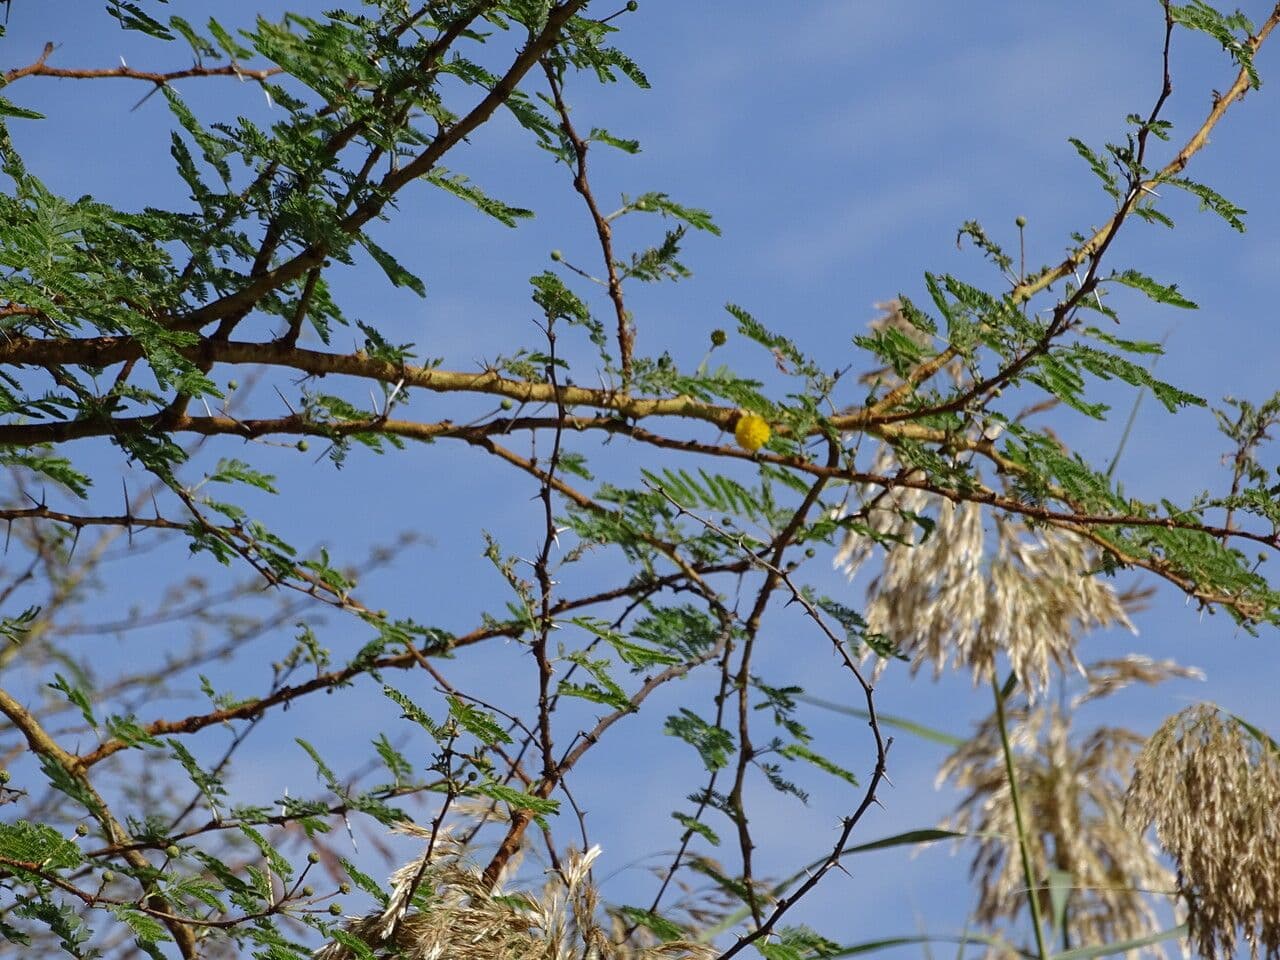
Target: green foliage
[659,550]
[37,843]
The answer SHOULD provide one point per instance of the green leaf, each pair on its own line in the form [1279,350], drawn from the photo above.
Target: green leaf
[601,135]
[875,946]
[396,273]
[661,203]
[693,826]
[798,751]
[1158,292]
[1122,946]
[278,863]
[1212,201]
[908,838]
[364,882]
[132,17]
[714,744]
[10,109]
[664,929]
[1230,30]
[147,929]
[322,769]
[460,186]
[890,720]
[77,696]
[1060,886]
[38,843]
[517,799]
[479,723]
[237,471]
[1100,167]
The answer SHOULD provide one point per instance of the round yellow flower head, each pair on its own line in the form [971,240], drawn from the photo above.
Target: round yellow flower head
[751,431]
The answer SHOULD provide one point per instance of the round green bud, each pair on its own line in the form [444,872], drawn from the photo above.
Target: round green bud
[172,851]
[507,403]
[308,891]
[344,887]
[632,6]
[557,256]
[335,909]
[313,857]
[718,338]
[82,829]
[4,776]
[233,384]
[1021,221]
[303,446]
[108,876]
[810,552]
[642,205]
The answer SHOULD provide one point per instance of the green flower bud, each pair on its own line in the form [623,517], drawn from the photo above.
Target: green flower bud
[344,887]
[718,338]
[335,909]
[172,851]
[108,876]
[557,256]
[82,829]
[632,6]
[313,857]
[303,446]
[308,891]
[1021,221]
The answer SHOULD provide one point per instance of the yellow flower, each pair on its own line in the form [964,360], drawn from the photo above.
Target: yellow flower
[751,432]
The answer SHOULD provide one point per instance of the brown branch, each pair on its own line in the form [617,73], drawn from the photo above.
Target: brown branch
[41,68]
[314,255]
[401,661]
[604,230]
[778,575]
[42,744]
[1093,247]
[1075,518]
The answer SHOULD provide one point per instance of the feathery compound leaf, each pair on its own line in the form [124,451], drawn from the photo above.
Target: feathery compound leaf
[1212,201]
[479,723]
[1158,292]
[1099,166]
[462,188]
[39,844]
[714,744]
[396,273]
[1224,28]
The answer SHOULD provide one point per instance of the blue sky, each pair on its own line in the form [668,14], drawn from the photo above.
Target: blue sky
[839,145]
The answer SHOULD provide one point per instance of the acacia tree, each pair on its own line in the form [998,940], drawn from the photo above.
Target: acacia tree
[993,546]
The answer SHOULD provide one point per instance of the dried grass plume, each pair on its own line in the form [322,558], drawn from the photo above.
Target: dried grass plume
[1211,786]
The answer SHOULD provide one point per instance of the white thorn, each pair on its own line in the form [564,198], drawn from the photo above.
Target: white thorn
[351,833]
